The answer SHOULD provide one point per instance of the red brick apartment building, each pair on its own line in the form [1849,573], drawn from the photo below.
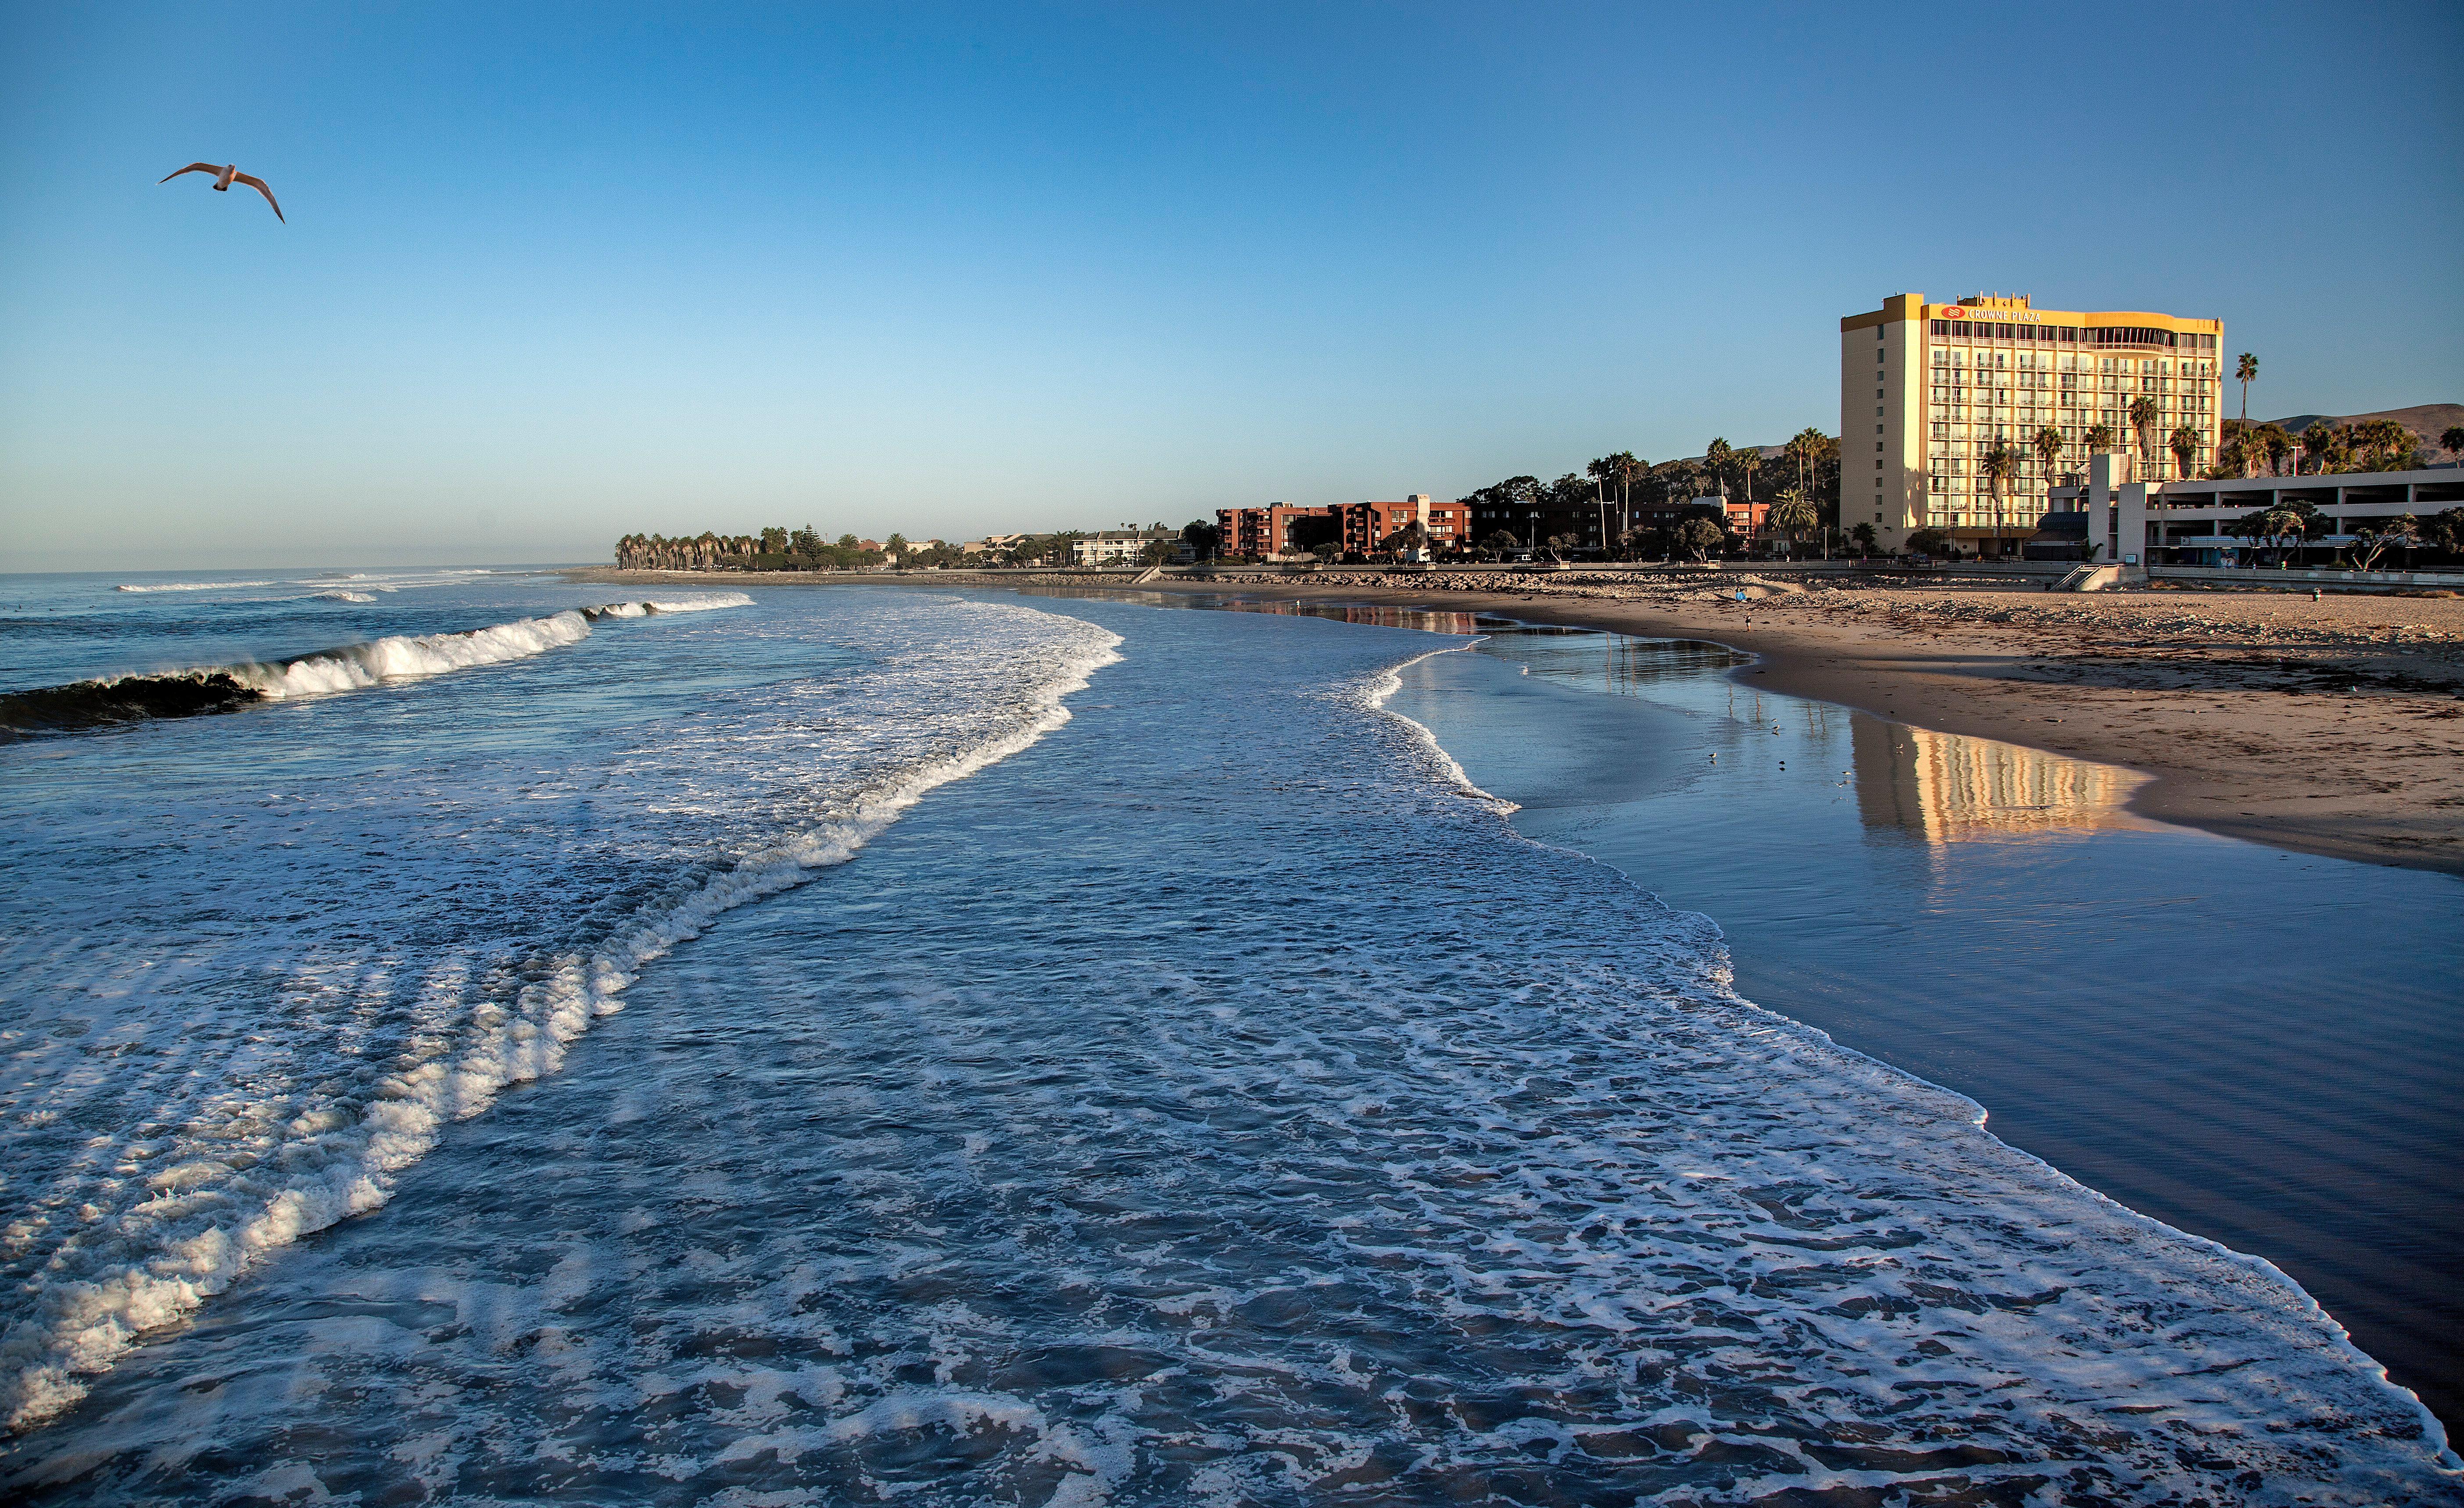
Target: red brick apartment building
[1360,527]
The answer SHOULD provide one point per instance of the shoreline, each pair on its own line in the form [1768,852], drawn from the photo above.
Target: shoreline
[2196,1104]
[2333,728]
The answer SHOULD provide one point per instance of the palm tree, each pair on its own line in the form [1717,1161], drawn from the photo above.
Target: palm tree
[2238,452]
[1792,515]
[2246,372]
[2099,437]
[1630,469]
[1809,444]
[1716,457]
[1599,472]
[1748,461]
[2275,442]
[1999,464]
[2048,446]
[2452,441]
[2184,443]
[2324,444]
[2143,420]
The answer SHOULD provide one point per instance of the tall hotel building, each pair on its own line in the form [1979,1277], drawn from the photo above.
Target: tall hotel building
[1946,384]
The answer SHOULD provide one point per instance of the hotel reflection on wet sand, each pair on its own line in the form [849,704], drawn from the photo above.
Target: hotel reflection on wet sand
[1944,788]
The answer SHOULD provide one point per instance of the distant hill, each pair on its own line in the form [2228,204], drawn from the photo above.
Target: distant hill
[2429,421]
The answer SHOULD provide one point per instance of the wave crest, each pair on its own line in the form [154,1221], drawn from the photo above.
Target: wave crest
[183,586]
[228,688]
[203,1223]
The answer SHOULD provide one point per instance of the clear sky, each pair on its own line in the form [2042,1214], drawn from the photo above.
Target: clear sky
[557,273]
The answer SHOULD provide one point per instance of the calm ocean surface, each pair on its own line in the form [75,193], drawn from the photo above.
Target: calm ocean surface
[826,1046]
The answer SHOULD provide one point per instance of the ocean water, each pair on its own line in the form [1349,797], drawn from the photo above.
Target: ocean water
[852,1045]
[2259,1046]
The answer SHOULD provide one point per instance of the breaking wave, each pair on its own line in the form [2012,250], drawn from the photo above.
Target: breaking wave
[681,604]
[185,587]
[228,688]
[247,1182]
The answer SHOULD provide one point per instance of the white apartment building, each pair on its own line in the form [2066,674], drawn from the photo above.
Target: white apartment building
[1950,384]
[1119,546]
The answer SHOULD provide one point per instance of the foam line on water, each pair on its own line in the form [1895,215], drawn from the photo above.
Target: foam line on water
[2290,1298]
[174,1250]
[324,672]
[185,587]
[1381,687]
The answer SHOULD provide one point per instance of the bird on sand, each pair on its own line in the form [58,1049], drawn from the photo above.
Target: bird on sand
[226,175]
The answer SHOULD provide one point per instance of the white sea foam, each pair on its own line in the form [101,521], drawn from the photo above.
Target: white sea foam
[185,587]
[1433,1165]
[405,657]
[1382,689]
[701,604]
[402,657]
[262,1161]
[681,604]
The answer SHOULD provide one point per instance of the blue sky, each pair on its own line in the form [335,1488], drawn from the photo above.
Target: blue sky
[554,273]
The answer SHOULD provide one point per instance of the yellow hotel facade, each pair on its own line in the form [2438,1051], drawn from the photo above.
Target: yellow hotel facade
[1944,384]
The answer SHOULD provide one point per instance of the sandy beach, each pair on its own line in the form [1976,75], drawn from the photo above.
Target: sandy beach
[2333,726]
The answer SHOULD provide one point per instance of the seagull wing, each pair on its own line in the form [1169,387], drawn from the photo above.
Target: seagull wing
[192,167]
[258,183]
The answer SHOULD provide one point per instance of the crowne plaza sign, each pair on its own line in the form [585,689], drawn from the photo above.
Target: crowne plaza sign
[1988,315]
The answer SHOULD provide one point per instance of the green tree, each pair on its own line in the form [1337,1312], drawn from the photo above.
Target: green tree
[2385,445]
[2279,529]
[2271,443]
[1717,458]
[2452,441]
[2184,443]
[1792,515]
[849,542]
[2143,423]
[1628,469]
[1411,536]
[1748,461]
[2240,456]
[2246,372]
[1863,534]
[1203,538]
[2000,464]
[1928,541]
[2099,437]
[2048,446]
[1700,536]
[2374,538]
[2324,443]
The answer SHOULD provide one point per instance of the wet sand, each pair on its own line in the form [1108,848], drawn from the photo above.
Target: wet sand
[2331,728]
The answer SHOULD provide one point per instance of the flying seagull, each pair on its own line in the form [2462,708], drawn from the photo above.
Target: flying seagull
[226,175]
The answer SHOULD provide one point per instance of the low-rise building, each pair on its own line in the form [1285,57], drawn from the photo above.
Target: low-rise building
[1533,522]
[2186,522]
[1121,546]
[1355,528]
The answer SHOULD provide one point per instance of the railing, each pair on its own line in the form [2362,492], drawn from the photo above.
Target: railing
[2307,574]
